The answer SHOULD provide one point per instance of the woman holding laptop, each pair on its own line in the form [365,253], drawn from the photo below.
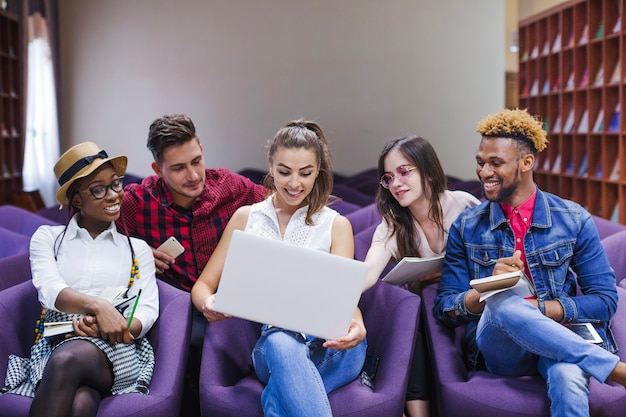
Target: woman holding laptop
[299,370]
[417,211]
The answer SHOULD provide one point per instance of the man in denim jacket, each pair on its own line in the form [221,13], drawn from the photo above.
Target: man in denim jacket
[555,242]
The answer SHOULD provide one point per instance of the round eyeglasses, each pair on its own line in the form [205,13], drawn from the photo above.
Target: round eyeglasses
[403,173]
[100,191]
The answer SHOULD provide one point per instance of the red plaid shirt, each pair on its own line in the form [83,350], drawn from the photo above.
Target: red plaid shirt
[150,214]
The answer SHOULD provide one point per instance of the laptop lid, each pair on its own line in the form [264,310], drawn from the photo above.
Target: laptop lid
[300,289]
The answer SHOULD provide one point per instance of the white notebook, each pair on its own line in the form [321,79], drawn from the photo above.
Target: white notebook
[300,289]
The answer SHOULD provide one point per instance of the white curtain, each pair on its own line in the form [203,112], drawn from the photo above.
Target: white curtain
[41,149]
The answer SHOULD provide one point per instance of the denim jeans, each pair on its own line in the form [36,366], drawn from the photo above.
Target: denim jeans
[300,372]
[516,339]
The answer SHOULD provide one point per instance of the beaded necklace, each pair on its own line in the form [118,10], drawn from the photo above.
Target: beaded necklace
[134,275]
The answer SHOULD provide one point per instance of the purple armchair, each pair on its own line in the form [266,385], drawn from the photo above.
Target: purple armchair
[169,337]
[14,270]
[13,243]
[480,393]
[228,386]
[21,221]
[607,227]
[615,247]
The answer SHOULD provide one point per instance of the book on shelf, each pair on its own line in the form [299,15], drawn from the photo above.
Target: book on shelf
[557,84]
[600,31]
[556,128]
[614,176]
[546,87]
[618,25]
[599,124]
[525,90]
[599,170]
[546,48]
[583,125]
[411,269]
[556,46]
[584,79]
[582,170]
[616,77]
[570,166]
[556,168]
[515,281]
[570,42]
[570,82]
[546,164]
[534,89]
[599,80]
[525,56]
[584,37]
[535,52]
[614,125]
[568,126]
[615,213]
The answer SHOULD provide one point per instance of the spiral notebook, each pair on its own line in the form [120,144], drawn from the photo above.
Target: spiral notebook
[300,289]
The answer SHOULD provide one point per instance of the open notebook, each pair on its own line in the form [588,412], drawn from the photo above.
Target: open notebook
[300,289]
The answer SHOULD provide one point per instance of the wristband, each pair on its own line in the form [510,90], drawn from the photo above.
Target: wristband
[542,306]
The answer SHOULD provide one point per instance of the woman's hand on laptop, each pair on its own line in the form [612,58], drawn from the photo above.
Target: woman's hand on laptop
[209,313]
[356,334]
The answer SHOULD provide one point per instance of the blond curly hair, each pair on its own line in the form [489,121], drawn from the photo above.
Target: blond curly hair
[514,124]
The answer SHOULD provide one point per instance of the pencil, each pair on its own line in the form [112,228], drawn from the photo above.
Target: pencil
[132,312]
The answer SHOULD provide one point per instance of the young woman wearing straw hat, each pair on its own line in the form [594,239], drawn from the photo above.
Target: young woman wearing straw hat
[105,352]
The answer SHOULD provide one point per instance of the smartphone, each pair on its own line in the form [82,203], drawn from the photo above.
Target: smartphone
[172,247]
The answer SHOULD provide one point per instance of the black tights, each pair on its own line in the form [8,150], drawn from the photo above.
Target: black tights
[73,381]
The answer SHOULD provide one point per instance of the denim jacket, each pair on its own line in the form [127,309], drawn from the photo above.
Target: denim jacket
[563,252]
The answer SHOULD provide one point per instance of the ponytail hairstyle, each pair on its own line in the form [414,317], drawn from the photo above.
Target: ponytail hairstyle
[307,135]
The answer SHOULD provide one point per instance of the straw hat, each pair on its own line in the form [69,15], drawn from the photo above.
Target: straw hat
[81,160]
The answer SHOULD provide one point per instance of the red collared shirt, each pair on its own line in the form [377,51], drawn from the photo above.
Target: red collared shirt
[519,219]
[150,214]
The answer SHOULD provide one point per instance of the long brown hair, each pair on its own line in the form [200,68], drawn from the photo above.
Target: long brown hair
[422,156]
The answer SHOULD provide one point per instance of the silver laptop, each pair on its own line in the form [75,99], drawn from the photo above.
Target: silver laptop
[300,289]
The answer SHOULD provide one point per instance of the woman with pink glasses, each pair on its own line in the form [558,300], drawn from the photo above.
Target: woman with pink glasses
[417,211]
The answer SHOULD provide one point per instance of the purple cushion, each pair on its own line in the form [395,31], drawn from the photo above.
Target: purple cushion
[169,338]
[364,218]
[13,243]
[21,221]
[615,247]
[606,227]
[461,393]
[14,270]
[228,386]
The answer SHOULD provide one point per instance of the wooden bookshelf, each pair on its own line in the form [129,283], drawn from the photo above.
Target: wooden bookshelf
[572,75]
[11,110]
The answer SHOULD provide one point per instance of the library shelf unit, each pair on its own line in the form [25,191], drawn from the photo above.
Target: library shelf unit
[11,111]
[572,70]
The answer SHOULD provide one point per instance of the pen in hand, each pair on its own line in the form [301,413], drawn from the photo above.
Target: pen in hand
[132,312]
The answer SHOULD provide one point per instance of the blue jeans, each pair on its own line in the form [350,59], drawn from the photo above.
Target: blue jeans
[516,339]
[300,372]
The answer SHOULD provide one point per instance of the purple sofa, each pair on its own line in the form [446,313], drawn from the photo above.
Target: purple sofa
[228,386]
[607,227]
[169,337]
[21,221]
[13,243]
[480,393]
[14,270]
[615,247]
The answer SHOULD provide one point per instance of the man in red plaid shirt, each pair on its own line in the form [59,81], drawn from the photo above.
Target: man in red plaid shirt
[190,202]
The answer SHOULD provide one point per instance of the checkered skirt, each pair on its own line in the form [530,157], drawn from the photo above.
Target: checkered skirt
[133,363]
